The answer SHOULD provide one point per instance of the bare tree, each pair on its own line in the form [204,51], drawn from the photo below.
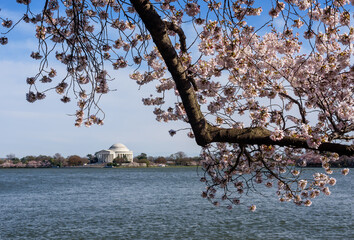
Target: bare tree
[11,156]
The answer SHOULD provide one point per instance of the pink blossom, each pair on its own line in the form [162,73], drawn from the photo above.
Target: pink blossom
[307,203]
[277,135]
[253,208]
[192,9]
[345,171]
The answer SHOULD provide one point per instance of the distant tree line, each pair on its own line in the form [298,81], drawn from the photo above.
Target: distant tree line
[43,161]
[342,162]
[178,159]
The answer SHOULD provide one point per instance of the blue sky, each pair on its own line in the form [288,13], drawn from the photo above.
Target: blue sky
[45,127]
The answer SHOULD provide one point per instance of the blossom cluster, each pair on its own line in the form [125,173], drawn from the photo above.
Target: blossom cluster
[232,170]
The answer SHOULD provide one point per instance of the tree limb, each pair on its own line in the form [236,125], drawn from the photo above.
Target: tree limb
[204,132]
[182,37]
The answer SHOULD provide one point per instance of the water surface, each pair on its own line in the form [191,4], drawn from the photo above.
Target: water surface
[155,203]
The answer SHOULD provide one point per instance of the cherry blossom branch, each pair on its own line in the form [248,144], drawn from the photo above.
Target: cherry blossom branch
[260,136]
[301,109]
[204,132]
[182,37]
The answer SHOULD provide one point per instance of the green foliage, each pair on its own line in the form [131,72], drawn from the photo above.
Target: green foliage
[92,158]
[142,156]
[148,163]
[119,160]
[59,160]
[15,160]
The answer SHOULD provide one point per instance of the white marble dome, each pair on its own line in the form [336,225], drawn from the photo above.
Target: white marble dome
[117,150]
[119,147]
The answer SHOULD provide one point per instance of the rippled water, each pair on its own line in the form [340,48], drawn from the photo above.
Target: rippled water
[158,203]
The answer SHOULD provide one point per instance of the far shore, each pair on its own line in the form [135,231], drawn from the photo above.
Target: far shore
[105,166]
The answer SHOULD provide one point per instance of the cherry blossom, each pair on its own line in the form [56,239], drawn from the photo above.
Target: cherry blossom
[271,98]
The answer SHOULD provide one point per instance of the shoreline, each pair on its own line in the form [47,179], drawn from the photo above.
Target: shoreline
[70,167]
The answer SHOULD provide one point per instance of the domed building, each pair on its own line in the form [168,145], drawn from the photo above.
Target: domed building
[116,150]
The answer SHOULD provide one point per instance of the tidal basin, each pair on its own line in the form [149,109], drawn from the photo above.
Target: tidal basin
[157,203]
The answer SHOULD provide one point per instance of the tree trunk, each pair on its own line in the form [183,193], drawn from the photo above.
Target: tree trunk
[204,132]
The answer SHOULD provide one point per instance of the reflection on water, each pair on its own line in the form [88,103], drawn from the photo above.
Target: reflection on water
[161,203]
